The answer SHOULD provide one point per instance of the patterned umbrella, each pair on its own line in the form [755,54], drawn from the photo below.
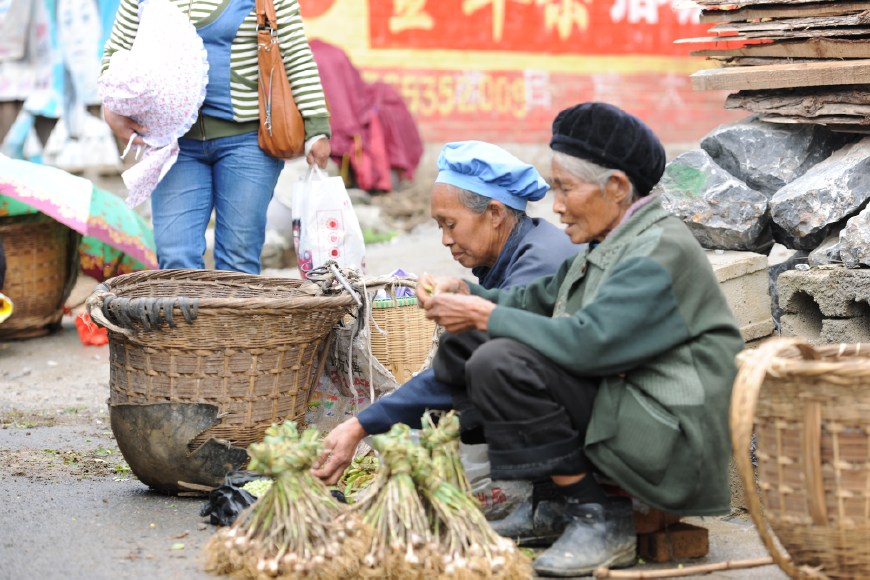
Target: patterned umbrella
[116,240]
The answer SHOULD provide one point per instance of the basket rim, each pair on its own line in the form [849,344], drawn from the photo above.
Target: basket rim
[114,287]
[845,360]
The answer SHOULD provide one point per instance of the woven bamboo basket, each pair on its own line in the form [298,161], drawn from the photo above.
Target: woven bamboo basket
[251,345]
[401,335]
[809,408]
[41,269]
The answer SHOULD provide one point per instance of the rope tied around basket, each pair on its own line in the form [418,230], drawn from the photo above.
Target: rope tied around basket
[332,279]
[119,314]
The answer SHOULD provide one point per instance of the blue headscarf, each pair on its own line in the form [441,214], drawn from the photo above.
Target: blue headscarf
[490,171]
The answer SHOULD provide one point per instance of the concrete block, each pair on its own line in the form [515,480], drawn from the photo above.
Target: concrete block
[815,329]
[743,279]
[676,542]
[836,292]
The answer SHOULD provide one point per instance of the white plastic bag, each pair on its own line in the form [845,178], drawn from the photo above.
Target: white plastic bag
[325,226]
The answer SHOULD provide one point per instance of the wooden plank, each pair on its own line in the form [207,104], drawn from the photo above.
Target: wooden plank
[836,103]
[771,36]
[737,4]
[787,24]
[849,72]
[842,122]
[811,48]
[708,39]
[760,61]
[844,32]
[779,11]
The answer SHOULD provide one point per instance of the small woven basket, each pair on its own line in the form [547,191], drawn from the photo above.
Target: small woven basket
[41,269]
[250,345]
[809,408]
[401,335]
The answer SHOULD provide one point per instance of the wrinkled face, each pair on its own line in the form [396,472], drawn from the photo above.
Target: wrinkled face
[471,238]
[588,213]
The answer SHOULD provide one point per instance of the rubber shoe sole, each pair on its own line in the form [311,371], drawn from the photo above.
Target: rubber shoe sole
[624,558]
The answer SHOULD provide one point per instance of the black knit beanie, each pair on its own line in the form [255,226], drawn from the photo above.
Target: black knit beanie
[610,137]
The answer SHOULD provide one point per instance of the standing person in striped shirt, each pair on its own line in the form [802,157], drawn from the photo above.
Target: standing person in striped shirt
[220,166]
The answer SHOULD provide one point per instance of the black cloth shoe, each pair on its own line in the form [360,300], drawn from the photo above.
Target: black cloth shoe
[534,522]
[596,535]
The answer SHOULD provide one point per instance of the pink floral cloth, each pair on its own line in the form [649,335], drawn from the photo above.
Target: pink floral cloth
[160,83]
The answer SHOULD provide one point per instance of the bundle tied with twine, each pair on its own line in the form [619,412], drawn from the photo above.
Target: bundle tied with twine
[441,439]
[402,545]
[296,529]
[424,526]
[471,548]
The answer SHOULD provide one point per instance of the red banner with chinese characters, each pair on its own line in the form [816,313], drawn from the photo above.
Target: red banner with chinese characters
[613,27]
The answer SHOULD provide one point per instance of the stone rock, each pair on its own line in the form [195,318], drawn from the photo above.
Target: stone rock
[722,211]
[828,252]
[767,156]
[855,241]
[806,210]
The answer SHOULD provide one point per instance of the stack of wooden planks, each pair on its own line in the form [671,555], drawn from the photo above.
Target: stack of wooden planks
[790,61]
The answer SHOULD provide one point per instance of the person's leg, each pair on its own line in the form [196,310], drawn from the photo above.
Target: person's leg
[534,412]
[181,206]
[535,417]
[244,180]
[448,366]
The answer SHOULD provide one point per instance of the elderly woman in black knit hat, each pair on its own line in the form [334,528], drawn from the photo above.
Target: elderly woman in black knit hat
[617,367]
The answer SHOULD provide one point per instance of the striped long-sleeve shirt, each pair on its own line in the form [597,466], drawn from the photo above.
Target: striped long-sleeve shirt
[298,59]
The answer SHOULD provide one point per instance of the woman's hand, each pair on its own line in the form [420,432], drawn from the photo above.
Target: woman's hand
[319,153]
[429,286]
[123,127]
[459,312]
[338,449]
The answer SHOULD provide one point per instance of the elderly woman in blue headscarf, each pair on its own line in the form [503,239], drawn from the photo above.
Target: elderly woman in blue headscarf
[478,201]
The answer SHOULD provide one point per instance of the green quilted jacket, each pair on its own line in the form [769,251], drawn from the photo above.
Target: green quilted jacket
[642,310]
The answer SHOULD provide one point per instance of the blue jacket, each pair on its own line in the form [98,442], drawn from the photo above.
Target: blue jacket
[534,249]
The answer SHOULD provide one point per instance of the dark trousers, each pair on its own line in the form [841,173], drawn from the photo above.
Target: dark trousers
[533,413]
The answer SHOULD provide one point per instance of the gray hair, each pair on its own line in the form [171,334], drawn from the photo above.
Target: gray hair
[477,203]
[591,172]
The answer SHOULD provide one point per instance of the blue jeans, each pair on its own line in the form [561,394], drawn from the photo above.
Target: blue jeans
[233,177]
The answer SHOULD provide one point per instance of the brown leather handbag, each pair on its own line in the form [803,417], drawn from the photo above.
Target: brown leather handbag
[282,130]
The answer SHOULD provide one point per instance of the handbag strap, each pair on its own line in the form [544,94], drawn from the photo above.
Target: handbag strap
[266,18]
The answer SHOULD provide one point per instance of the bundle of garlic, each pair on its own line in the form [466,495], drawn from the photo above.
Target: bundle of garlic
[441,440]
[402,545]
[296,529]
[470,548]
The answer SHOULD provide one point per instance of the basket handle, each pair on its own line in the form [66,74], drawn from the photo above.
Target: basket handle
[109,310]
[754,367]
[94,307]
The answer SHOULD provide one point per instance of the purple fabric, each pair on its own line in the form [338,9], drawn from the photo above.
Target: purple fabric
[349,103]
[402,140]
[371,124]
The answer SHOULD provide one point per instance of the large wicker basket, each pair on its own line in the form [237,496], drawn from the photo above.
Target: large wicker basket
[809,408]
[250,345]
[401,335]
[41,268]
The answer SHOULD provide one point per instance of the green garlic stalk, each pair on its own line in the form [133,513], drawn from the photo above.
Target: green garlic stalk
[295,529]
[402,545]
